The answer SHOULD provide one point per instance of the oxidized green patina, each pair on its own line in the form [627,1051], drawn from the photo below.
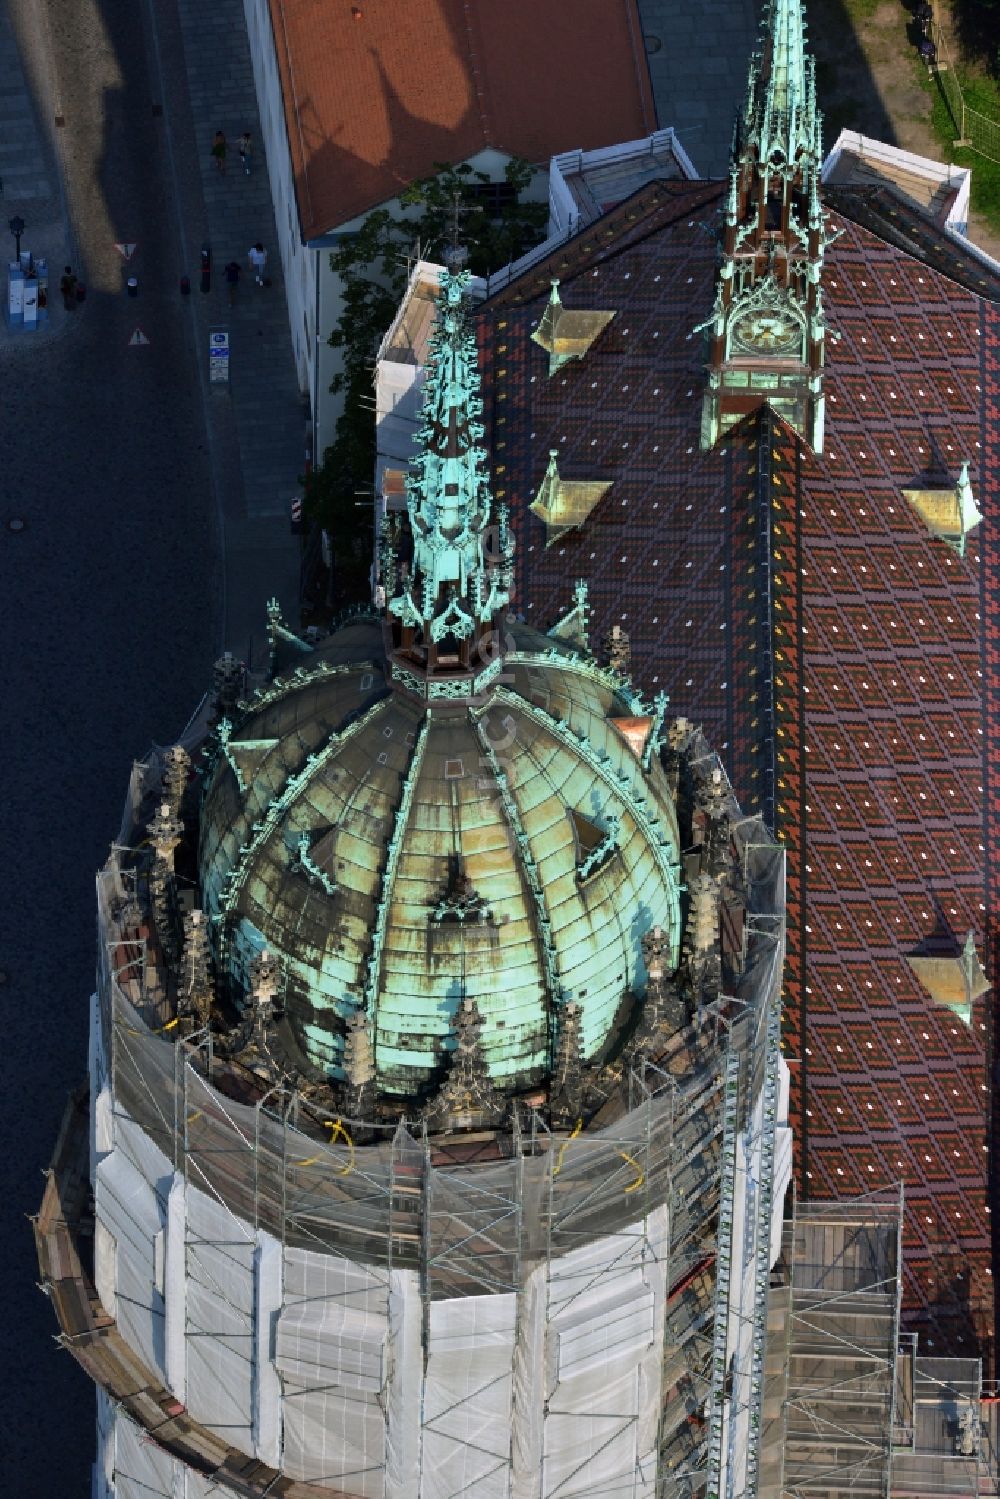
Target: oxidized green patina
[406,824]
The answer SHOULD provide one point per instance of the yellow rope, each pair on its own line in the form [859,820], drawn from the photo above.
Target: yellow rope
[338,1131]
[577,1128]
[640,1178]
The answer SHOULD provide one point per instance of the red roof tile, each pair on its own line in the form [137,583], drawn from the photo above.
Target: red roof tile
[378,93]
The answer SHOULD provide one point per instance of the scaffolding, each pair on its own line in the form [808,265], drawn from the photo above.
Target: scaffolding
[608,1242]
[942,1440]
[842,1269]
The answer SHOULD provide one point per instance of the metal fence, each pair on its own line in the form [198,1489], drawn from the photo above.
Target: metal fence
[976,131]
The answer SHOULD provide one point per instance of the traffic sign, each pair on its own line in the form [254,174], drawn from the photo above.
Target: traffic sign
[126,251]
[218,357]
[138,338]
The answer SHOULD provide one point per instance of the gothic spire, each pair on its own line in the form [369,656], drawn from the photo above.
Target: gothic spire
[766,333]
[780,113]
[448,600]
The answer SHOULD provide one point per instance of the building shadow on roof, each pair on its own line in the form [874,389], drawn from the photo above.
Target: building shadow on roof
[954,1321]
[939,471]
[361,185]
[940,941]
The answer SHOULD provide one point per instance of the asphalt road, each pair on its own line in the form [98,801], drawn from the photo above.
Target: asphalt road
[111,618]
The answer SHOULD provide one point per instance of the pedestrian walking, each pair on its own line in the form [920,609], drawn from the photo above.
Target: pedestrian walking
[232,275]
[246,151]
[257,257]
[219,151]
[68,288]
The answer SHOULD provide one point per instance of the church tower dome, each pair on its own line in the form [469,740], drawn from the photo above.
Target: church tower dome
[444,807]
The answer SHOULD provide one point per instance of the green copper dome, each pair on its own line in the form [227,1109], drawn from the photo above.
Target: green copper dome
[451,832]
[398,856]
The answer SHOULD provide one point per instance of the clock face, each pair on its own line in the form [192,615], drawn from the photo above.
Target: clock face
[766,330]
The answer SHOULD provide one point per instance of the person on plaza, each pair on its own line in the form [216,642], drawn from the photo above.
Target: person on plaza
[219,151]
[246,150]
[232,275]
[68,288]
[257,257]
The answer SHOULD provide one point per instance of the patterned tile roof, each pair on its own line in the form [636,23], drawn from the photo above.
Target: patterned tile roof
[834,650]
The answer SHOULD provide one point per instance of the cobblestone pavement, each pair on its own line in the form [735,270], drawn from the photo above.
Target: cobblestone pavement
[122,477]
[698,52]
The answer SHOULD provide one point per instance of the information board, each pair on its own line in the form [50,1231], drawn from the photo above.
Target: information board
[218,357]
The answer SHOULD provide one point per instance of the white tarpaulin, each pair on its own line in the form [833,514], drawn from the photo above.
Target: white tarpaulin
[267,1382]
[219,1332]
[529,1387]
[130,1466]
[402,1458]
[132,1219]
[603,1359]
[330,1348]
[467,1397]
[322,1343]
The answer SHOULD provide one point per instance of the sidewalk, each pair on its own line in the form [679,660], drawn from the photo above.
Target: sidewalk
[270,413]
[267,417]
[29,189]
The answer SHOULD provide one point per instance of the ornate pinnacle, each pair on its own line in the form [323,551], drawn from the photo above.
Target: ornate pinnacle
[567,1087]
[195,990]
[462,568]
[656,954]
[619,650]
[227,681]
[663,1013]
[581,597]
[275,622]
[359,1067]
[176,770]
[713,799]
[264,980]
[678,731]
[165,833]
[701,956]
[467,1097]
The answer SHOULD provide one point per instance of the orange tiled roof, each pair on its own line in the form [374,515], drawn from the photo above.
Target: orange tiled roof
[379,91]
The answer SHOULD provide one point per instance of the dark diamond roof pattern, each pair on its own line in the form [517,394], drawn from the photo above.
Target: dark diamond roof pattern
[860,690]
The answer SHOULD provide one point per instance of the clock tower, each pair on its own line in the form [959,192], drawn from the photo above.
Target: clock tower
[766,332]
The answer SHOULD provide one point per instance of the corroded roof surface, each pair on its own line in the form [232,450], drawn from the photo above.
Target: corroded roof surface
[422,857]
[865,678]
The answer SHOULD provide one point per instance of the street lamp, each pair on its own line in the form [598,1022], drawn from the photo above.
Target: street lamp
[17,229]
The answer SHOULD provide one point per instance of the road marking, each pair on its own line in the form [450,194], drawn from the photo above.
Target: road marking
[138,337]
[125,251]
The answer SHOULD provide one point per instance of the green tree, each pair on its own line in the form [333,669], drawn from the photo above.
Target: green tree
[494,227]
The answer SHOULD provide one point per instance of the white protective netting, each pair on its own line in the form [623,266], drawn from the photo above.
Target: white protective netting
[467,1400]
[332,1351]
